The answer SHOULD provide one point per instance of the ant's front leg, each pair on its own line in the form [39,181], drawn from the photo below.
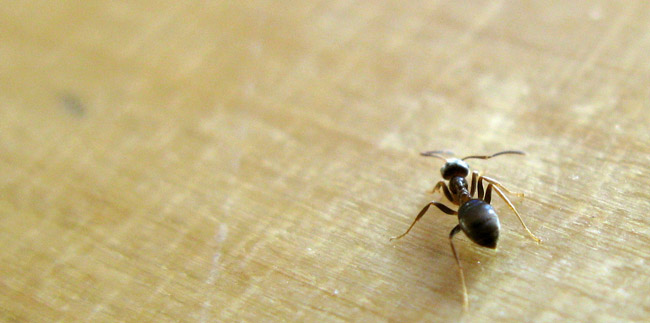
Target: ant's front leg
[475,175]
[445,190]
[497,184]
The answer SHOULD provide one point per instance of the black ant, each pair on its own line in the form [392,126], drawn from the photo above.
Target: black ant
[476,217]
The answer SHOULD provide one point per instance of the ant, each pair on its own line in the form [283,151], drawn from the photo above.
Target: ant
[476,217]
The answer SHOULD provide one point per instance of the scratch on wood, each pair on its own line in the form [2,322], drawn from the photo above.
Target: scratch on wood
[219,238]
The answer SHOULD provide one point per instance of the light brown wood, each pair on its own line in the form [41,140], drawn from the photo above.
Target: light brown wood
[249,160]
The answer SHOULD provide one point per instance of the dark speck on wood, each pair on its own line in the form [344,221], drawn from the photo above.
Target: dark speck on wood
[72,104]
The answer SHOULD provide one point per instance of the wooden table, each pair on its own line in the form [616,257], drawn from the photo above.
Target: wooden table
[249,160]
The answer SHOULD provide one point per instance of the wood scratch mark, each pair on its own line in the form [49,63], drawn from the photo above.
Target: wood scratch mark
[611,34]
[592,58]
[101,307]
[219,238]
[459,47]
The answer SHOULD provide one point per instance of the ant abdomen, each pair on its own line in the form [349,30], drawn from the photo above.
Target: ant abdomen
[480,222]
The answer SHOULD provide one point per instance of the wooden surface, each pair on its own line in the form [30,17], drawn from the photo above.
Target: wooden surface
[247,161]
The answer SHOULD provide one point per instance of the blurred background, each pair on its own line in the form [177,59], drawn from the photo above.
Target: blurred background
[248,160]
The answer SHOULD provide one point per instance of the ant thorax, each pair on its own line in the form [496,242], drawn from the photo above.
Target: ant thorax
[458,188]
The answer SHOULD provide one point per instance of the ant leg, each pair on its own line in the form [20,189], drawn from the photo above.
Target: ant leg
[473,187]
[480,187]
[445,190]
[441,206]
[453,232]
[512,207]
[488,194]
[498,184]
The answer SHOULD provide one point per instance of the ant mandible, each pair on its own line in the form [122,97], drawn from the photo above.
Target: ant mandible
[476,217]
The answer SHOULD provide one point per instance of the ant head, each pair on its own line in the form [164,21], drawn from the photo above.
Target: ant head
[454,167]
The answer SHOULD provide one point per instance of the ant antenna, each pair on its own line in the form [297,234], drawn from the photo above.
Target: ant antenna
[444,152]
[435,153]
[514,152]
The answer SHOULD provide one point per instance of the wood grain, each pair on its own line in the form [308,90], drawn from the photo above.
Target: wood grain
[248,161]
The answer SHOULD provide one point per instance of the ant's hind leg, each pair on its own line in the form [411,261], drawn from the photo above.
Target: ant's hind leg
[488,196]
[453,232]
[445,190]
[441,206]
